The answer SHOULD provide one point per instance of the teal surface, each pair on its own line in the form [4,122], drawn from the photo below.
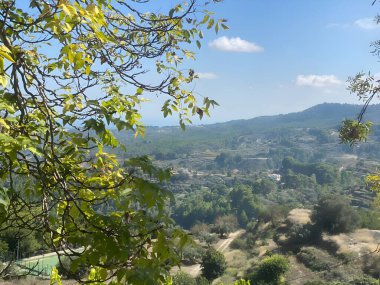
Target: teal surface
[41,266]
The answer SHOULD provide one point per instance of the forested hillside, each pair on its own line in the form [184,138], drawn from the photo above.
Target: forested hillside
[251,173]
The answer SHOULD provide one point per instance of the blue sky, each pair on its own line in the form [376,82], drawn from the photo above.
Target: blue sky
[282,56]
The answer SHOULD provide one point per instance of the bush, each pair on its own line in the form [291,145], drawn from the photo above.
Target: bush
[192,254]
[364,280]
[369,219]
[270,270]
[213,264]
[371,265]
[310,260]
[200,280]
[238,243]
[298,235]
[183,278]
[335,215]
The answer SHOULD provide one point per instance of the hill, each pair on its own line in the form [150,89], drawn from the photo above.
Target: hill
[327,116]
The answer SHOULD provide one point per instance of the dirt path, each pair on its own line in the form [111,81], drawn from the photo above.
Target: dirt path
[221,246]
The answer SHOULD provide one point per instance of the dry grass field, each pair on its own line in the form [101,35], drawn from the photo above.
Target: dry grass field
[359,241]
[299,216]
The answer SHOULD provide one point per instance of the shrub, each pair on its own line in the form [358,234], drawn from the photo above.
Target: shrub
[213,264]
[371,265]
[183,278]
[364,280]
[369,219]
[192,254]
[238,243]
[310,260]
[200,280]
[270,270]
[298,235]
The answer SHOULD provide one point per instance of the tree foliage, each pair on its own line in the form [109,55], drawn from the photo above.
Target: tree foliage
[213,264]
[69,71]
[271,270]
[335,215]
[225,225]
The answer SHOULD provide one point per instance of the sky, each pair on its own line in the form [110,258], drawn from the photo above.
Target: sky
[281,56]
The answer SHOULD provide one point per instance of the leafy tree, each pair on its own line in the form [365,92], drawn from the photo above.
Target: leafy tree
[271,270]
[243,199]
[265,186]
[335,215]
[20,241]
[69,71]
[225,224]
[192,253]
[213,264]
[203,206]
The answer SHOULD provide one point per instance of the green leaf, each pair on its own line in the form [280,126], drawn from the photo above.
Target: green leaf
[4,203]
[210,24]
[139,91]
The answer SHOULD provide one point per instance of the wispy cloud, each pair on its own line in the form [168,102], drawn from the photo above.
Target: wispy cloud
[363,23]
[314,80]
[234,45]
[367,23]
[207,75]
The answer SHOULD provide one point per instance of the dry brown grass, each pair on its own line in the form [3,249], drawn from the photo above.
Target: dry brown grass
[269,246]
[298,271]
[358,241]
[238,263]
[299,216]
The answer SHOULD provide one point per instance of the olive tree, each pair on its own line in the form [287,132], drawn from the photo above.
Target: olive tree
[71,70]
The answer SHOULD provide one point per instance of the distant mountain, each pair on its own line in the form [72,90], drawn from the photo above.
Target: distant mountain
[326,115]
[322,116]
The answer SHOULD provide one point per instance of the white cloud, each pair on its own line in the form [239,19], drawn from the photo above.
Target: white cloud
[317,80]
[367,23]
[234,45]
[206,75]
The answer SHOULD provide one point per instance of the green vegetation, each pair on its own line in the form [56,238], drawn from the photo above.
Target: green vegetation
[73,75]
[213,264]
[271,270]
[335,215]
[182,278]
[211,201]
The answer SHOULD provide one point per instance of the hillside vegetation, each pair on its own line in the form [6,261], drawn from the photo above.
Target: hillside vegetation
[294,198]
